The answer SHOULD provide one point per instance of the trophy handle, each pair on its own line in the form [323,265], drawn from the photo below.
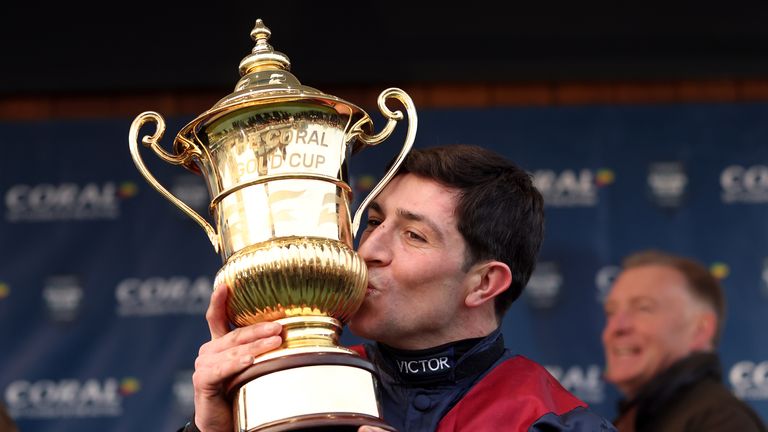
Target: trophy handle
[190,151]
[393,117]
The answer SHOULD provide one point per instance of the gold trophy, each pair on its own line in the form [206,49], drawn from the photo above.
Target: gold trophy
[274,155]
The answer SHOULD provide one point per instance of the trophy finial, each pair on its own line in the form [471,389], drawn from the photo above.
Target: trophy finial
[260,33]
[263,56]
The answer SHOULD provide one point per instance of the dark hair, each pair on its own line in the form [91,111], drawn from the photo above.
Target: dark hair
[499,212]
[700,281]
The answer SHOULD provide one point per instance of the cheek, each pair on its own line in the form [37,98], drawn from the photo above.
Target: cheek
[434,285]
[605,335]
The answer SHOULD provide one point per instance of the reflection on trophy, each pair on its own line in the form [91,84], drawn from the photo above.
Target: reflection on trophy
[274,155]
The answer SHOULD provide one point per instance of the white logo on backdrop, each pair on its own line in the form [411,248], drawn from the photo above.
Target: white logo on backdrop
[585,382]
[568,188]
[63,398]
[163,295]
[749,380]
[744,184]
[604,280]
[65,201]
[543,288]
[667,182]
[63,295]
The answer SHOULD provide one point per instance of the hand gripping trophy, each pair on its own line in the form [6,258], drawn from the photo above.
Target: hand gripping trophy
[274,155]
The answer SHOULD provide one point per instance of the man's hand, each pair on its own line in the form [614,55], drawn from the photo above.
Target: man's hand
[224,356]
[371,429]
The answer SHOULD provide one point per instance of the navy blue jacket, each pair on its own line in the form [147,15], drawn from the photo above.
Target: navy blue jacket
[487,388]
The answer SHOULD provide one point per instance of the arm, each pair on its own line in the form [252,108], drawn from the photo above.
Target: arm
[228,353]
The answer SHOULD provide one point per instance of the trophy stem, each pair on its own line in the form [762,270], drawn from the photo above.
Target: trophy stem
[310,331]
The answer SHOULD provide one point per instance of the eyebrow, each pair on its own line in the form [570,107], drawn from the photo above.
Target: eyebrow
[411,216]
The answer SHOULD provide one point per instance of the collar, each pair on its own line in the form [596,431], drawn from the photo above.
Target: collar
[446,363]
[655,395]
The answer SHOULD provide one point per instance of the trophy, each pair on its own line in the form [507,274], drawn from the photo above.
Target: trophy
[274,155]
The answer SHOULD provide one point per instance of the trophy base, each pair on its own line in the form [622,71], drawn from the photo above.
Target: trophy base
[337,423]
[313,391]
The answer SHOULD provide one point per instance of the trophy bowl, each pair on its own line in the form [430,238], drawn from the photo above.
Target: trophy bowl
[274,155]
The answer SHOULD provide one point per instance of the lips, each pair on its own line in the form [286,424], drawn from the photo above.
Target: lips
[371,288]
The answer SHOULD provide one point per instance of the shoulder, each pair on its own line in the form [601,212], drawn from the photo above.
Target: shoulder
[359,350]
[709,405]
[521,395]
[522,376]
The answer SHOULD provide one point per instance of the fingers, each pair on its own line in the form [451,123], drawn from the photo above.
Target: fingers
[213,367]
[216,315]
[223,357]
[249,338]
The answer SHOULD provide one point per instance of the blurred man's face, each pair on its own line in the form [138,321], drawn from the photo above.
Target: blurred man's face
[651,322]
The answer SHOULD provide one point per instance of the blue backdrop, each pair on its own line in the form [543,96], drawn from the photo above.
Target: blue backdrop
[103,283]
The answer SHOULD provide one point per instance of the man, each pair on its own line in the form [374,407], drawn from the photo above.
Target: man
[6,422]
[664,317]
[450,244]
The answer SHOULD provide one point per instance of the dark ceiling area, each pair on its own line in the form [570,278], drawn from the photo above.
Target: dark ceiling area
[134,46]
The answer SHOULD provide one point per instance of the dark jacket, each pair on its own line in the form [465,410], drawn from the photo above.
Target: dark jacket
[689,396]
[485,388]
[6,422]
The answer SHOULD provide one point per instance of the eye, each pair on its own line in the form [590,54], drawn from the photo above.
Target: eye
[372,223]
[413,236]
[645,307]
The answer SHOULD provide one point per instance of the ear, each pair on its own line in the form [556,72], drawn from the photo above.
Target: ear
[486,281]
[705,330]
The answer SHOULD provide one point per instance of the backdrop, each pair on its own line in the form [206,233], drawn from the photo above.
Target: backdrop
[103,283]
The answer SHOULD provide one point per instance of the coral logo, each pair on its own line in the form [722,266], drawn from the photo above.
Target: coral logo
[163,296]
[744,184]
[604,279]
[749,380]
[63,296]
[667,182]
[65,201]
[543,288]
[183,392]
[64,398]
[764,277]
[572,188]
[583,381]
[191,190]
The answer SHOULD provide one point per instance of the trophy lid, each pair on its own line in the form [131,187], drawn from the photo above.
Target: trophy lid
[265,78]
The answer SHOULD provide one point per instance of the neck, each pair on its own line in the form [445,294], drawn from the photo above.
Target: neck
[445,362]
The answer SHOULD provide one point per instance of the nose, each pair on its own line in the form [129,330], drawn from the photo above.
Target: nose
[374,247]
[619,322]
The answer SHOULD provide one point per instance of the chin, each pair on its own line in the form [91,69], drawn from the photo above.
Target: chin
[625,379]
[358,329]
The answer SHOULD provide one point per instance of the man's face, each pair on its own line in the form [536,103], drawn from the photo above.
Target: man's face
[651,321]
[415,255]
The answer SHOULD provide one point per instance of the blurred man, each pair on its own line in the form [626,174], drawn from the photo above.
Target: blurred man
[664,317]
[6,422]
[450,243]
